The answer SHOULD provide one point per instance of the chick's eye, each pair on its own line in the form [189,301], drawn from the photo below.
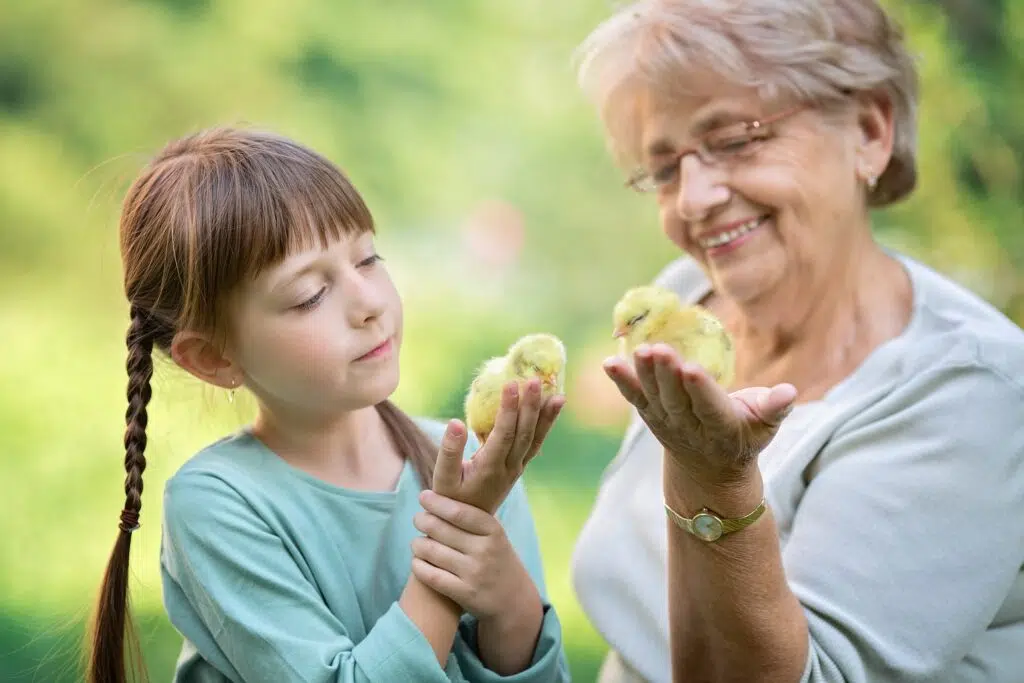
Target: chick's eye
[636,318]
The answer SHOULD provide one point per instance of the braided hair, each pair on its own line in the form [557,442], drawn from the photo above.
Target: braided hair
[210,211]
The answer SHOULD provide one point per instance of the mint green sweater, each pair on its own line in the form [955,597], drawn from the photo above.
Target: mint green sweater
[272,575]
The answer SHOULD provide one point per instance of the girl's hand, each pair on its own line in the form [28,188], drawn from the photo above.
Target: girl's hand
[713,436]
[519,430]
[467,557]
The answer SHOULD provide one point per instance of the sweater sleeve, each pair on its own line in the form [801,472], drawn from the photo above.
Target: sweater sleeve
[549,663]
[910,536]
[259,617]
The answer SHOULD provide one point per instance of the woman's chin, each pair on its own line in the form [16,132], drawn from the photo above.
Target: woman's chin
[739,285]
[749,278]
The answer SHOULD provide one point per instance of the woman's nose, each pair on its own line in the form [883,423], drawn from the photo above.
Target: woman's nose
[701,189]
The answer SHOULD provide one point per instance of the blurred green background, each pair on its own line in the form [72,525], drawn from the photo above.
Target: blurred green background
[498,211]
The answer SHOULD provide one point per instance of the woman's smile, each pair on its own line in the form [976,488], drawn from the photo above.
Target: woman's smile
[731,237]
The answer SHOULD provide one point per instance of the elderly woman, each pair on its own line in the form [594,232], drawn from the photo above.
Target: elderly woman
[853,511]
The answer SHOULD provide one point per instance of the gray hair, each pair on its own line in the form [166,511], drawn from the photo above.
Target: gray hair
[818,51]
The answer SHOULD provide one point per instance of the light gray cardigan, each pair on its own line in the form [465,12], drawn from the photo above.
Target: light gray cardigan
[899,499]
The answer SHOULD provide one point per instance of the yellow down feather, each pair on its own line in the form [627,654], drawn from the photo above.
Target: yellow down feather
[535,355]
[651,314]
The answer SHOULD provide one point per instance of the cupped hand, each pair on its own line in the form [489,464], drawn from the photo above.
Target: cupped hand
[520,428]
[712,435]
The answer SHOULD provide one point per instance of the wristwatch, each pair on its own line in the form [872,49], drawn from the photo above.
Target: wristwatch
[707,526]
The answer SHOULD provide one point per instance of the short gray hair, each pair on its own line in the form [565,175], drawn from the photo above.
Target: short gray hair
[818,51]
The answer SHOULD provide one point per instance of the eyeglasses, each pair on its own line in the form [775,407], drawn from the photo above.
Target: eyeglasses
[720,145]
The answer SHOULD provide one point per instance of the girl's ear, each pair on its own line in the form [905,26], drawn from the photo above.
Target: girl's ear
[197,355]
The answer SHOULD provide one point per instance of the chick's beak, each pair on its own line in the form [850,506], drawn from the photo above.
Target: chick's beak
[619,331]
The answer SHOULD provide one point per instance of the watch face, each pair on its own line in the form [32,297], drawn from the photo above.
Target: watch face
[707,527]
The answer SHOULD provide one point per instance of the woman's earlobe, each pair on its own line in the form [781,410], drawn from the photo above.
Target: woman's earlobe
[874,150]
[867,175]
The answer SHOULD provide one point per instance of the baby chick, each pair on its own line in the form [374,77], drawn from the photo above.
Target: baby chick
[535,355]
[651,314]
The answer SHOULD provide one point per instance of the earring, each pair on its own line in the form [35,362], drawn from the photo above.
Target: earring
[231,391]
[872,181]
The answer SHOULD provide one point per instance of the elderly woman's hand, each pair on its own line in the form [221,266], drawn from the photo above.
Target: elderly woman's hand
[713,436]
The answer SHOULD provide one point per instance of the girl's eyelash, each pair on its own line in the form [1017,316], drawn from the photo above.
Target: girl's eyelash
[312,301]
[315,299]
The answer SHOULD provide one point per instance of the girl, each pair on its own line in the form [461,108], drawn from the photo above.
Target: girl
[288,548]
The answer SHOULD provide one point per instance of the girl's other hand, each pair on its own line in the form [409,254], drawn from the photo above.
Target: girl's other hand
[467,557]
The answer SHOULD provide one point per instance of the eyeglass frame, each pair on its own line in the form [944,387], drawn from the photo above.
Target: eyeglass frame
[701,150]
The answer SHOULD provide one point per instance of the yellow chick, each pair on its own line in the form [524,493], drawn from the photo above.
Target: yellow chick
[535,355]
[651,314]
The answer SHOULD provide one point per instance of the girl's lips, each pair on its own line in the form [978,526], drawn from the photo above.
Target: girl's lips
[378,351]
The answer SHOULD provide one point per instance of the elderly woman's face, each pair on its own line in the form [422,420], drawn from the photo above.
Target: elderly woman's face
[773,209]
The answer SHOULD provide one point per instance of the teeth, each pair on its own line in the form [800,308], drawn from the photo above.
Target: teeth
[726,237]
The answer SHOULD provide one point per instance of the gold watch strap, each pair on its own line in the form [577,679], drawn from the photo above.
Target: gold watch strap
[707,526]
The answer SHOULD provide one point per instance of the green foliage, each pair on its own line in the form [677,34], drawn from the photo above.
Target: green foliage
[441,112]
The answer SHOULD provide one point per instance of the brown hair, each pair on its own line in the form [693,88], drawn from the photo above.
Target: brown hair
[211,210]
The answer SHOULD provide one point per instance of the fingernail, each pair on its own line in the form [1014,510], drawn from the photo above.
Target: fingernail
[451,438]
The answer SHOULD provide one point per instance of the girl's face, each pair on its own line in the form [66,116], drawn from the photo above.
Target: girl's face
[320,332]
